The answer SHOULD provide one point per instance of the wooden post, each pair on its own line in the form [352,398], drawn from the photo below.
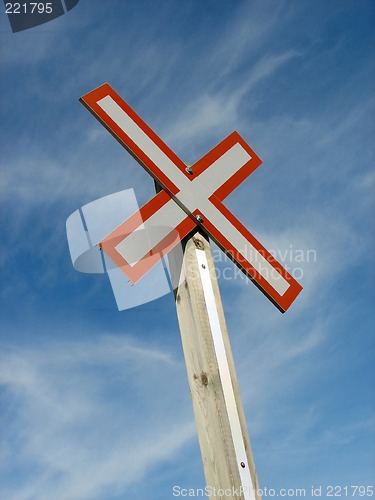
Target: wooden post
[223,438]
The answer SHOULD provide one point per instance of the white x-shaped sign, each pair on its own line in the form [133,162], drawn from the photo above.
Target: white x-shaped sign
[191,196]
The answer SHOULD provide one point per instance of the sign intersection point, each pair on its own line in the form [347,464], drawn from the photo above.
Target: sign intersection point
[191,196]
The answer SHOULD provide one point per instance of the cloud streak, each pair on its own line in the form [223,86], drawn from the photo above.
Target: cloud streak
[93,416]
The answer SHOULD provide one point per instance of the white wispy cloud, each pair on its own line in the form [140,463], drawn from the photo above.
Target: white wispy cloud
[217,110]
[91,416]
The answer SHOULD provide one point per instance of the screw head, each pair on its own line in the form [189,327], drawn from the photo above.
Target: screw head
[199,218]
[189,170]
[198,243]
[243,465]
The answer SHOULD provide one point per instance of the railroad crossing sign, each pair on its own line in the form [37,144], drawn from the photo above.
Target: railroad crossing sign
[191,197]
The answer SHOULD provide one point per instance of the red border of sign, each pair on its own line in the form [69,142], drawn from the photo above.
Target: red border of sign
[136,271]
[91,99]
[146,262]
[283,302]
[218,151]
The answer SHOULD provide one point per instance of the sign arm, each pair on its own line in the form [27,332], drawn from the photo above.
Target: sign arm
[197,192]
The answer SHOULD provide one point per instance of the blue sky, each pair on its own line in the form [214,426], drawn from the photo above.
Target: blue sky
[95,402]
